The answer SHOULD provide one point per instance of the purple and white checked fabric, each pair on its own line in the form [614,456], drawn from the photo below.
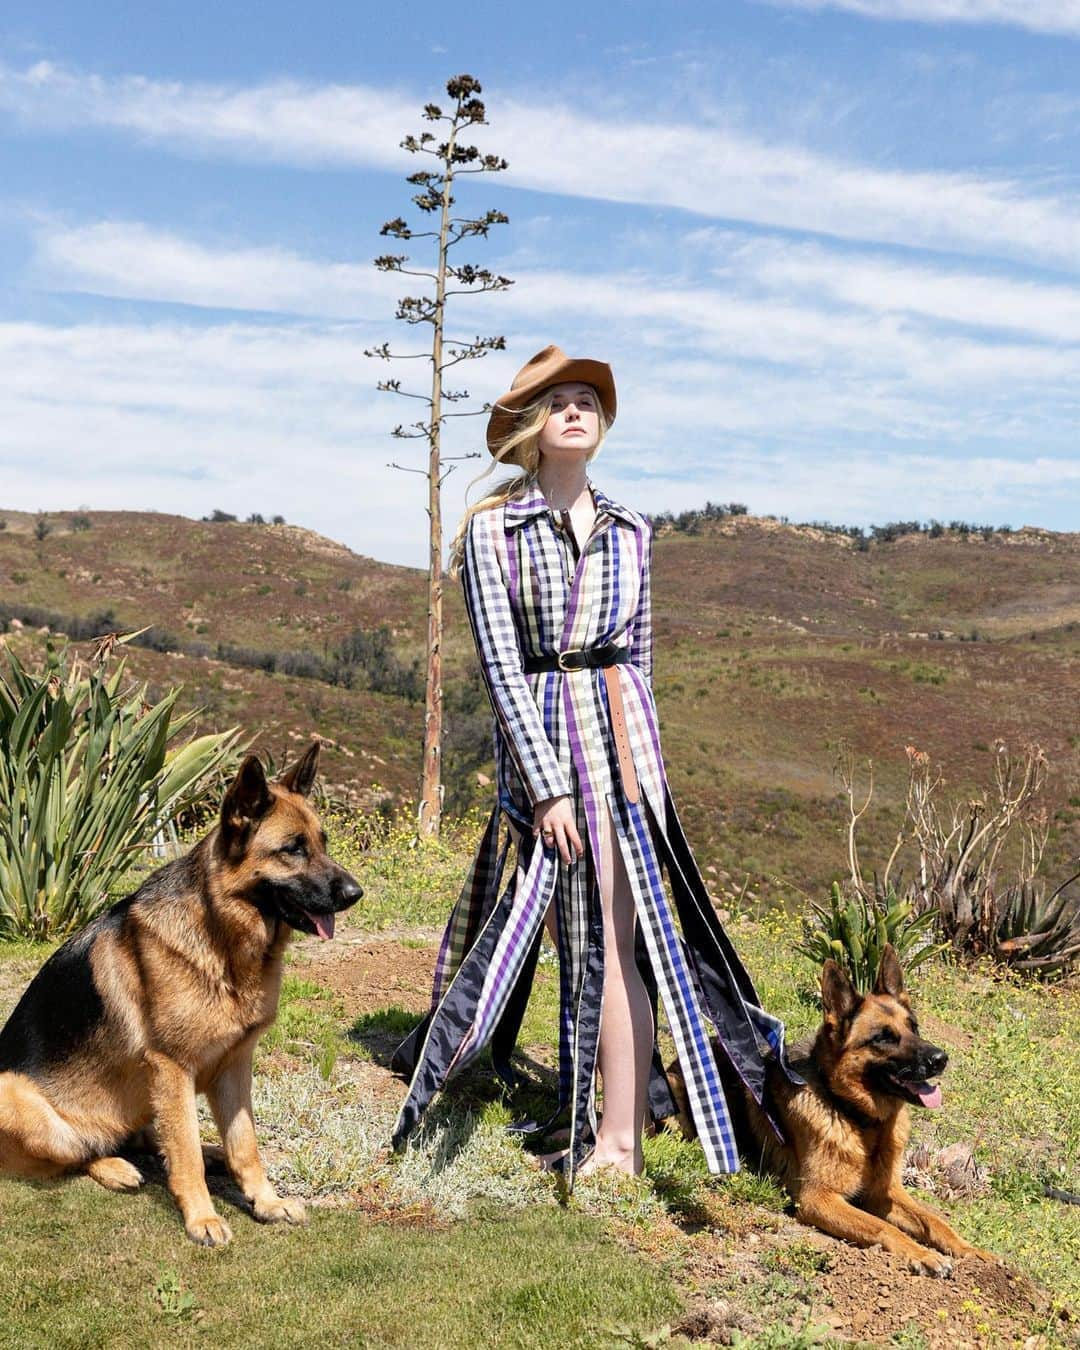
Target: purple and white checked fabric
[528,595]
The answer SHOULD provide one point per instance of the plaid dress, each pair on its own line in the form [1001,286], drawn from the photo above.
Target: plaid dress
[529,594]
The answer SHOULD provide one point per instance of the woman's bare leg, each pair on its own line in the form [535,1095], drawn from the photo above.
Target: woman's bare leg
[626,1027]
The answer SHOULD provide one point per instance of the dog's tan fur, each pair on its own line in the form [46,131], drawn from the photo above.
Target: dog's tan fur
[843,1159]
[186,977]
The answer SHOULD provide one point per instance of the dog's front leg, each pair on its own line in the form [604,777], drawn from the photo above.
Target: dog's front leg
[895,1206]
[830,1212]
[230,1100]
[173,1095]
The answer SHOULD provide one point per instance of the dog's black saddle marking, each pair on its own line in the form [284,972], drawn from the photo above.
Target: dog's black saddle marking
[61,1007]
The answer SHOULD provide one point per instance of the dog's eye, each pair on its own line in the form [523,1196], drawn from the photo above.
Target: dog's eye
[886,1036]
[297,847]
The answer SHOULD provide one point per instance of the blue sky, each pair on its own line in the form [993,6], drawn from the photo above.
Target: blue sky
[831,248]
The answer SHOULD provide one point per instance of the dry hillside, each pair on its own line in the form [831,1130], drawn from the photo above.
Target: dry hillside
[775,644]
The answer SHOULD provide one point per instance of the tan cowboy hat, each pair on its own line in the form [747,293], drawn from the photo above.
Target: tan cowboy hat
[548,367]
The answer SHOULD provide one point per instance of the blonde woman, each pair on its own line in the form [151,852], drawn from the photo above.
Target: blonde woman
[557,586]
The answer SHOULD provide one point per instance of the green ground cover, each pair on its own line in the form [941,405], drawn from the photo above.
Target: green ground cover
[461,1240]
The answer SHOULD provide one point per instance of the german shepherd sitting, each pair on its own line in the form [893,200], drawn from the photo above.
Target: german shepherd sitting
[847,1127]
[164,996]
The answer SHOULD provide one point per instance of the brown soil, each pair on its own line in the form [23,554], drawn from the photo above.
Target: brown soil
[369,975]
[864,1296]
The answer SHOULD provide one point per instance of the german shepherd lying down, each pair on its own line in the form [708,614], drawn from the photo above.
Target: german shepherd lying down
[848,1126]
[164,996]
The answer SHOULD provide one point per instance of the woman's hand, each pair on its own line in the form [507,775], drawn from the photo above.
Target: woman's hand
[553,821]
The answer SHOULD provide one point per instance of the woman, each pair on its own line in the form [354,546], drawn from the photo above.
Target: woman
[556,579]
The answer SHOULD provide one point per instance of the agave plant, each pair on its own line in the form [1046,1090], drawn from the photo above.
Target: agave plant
[89,773]
[854,930]
[1036,932]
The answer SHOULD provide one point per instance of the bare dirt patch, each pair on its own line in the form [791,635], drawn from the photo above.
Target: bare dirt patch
[370,975]
[750,1280]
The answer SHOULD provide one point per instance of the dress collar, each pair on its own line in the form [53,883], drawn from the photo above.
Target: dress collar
[533,503]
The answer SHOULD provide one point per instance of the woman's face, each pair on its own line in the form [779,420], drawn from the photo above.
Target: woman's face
[573,426]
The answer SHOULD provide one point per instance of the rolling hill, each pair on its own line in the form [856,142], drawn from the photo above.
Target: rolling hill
[775,645]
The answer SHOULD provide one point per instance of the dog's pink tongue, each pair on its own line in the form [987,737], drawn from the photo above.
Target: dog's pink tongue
[324,925]
[929,1094]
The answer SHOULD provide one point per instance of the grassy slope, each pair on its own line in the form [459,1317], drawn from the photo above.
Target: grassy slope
[774,644]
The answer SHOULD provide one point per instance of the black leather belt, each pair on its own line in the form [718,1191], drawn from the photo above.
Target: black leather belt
[582,658]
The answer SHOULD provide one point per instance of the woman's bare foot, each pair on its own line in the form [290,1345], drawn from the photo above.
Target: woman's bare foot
[628,1160]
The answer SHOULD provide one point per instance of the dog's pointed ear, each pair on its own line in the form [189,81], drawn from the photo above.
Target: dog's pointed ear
[890,977]
[301,777]
[248,797]
[839,997]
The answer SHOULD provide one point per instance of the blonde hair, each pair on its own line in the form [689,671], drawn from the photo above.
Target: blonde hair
[524,439]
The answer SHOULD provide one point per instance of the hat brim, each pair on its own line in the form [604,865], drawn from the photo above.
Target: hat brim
[573,371]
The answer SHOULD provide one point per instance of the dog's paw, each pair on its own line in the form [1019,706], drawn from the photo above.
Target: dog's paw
[926,1262]
[209,1231]
[115,1174]
[280,1209]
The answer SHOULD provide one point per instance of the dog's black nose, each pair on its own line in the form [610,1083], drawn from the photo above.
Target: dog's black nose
[935,1061]
[348,890]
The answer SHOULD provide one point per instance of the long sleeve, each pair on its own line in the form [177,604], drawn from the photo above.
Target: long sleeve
[641,637]
[487,601]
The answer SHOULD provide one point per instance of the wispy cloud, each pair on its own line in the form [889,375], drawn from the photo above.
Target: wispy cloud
[1040,16]
[716,171]
[769,301]
[126,259]
[890,286]
[269,417]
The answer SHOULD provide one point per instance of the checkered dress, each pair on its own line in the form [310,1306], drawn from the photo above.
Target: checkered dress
[528,595]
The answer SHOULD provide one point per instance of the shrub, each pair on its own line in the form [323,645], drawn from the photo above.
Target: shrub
[854,930]
[87,778]
[42,526]
[219,518]
[80,522]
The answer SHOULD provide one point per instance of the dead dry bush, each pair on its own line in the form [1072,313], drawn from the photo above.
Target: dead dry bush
[975,862]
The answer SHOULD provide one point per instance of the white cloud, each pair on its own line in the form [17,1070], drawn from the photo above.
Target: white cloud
[129,260]
[285,418]
[979,300]
[713,170]
[773,302]
[284,121]
[1039,16]
[246,418]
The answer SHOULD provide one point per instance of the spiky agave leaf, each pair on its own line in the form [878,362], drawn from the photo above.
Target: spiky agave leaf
[87,777]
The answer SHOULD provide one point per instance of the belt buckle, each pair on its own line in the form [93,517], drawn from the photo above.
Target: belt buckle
[560,658]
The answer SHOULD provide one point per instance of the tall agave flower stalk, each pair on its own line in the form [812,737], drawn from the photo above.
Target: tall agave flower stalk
[89,772]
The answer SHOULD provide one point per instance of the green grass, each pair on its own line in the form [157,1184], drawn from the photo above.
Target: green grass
[128,1276]
[408,883]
